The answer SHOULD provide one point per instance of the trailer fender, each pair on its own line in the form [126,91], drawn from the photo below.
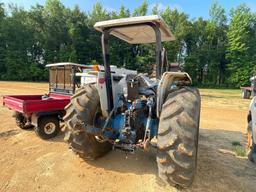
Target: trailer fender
[36,116]
[168,80]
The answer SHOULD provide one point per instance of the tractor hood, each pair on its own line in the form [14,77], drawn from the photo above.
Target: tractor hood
[134,30]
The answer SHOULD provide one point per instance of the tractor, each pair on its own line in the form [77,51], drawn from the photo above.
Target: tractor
[132,112]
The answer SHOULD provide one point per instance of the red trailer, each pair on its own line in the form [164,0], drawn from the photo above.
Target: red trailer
[246,92]
[41,111]
[45,112]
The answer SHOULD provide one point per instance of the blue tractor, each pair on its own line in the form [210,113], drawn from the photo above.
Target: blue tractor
[127,111]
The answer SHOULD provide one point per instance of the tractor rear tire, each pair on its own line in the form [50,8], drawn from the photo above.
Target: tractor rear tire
[177,140]
[81,111]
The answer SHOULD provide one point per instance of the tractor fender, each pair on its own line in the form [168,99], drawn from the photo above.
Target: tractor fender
[167,80]
[252,111]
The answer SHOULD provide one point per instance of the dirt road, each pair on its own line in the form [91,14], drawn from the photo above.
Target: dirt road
[28,163]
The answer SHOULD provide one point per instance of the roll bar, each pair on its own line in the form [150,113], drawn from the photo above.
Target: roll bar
[106,58]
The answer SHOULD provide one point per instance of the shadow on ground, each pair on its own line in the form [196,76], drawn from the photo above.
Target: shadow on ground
[17,130]
[139,163]
[222,171]
[225,172]
[9,133]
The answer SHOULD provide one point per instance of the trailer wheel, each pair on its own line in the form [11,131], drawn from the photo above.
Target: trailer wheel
[21,121]
[48,127]
[81,111]
[177,140]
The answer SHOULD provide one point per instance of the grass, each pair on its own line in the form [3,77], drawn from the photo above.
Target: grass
[225,91]
[240,151]
[224,98]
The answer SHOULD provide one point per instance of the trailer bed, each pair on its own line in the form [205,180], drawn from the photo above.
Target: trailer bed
[28,104]
[246,88]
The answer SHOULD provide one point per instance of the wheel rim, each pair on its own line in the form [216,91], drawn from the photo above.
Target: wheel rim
[49,128]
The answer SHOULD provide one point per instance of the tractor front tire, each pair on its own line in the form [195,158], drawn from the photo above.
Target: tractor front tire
[177,140]
[252,153]
[81,111]
[251,145]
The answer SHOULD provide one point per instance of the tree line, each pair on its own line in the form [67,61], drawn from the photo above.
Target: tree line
[219,51]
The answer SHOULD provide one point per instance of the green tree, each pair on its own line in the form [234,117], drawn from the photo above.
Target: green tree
[2,40]
[181,28]
[155,9]
[141,10]
[55,31]
[217,39]
[215,51]
[196,60]
[241,45]
[18,41]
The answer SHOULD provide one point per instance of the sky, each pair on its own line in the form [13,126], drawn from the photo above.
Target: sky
[194,8]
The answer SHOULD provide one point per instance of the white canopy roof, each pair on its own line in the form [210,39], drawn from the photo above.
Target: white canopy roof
[136,34]
[65,63]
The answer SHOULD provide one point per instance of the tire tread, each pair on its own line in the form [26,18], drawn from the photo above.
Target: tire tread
[178,137]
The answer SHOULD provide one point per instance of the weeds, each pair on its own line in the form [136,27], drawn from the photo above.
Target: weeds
[240,151]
